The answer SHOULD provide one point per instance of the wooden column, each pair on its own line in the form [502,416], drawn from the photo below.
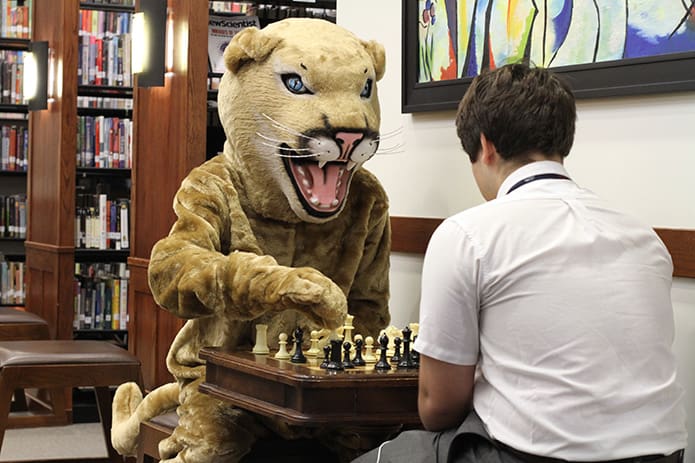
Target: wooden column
[51,182]
[170,128]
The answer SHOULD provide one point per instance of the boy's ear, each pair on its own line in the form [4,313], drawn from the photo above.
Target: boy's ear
[487,150]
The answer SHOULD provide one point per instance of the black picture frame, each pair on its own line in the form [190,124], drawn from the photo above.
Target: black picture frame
[638,76]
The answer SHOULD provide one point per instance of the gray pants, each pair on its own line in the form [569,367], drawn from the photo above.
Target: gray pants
[469,443]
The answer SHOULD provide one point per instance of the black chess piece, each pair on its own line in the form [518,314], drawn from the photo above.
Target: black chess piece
[298,356]
[358,361]
[407,360]
[347,363]
[415,355]
[326,356]
[396,350]
[383,363]
[335,363]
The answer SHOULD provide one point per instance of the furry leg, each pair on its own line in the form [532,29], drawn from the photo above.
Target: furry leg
[209,431]
[129,409]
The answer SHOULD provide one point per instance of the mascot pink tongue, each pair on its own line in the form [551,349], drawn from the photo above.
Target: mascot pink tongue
[326,184]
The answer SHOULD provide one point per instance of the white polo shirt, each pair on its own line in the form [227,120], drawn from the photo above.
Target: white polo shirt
[565,305]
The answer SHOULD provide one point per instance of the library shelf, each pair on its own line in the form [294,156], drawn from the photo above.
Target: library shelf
[11,43]
[106,7]
[101,255]
[102,172]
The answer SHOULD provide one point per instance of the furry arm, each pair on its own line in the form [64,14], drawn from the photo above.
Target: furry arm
[191,275]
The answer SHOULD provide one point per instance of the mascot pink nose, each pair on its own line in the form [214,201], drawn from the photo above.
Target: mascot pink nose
[347,142]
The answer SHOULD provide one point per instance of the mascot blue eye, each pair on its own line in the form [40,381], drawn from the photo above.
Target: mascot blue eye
[294,84]
[367,90]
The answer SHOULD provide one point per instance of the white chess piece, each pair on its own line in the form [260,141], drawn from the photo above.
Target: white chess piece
[282,353]
[347,331]
[369,356]
[313,351]
[261,346]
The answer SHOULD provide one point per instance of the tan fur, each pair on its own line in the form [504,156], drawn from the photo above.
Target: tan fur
[129,410]
[247,249]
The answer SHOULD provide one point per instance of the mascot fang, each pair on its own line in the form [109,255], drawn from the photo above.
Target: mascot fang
[284,228]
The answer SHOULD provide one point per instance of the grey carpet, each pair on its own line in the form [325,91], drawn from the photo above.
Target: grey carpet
[84,440]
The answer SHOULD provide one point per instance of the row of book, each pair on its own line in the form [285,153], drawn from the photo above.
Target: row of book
[14,148]
[231,7]
[15,18]
[11,80]
[12,288]
[104,102]
[113,2]
[269,13]
[104,142]
[102,223]
[13,216]
[104,48]
[272,12]
[100,296]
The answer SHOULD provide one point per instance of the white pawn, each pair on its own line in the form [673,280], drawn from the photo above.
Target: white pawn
[261,346]
[369,356]
[313,351]
[282,353]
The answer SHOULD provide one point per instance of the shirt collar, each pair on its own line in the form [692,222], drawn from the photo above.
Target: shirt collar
[527,170]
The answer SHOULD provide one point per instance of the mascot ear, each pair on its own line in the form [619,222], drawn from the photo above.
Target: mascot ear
[250,44]
[378,54]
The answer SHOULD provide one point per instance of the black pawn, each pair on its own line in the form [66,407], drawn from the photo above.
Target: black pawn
[298,356]
[347,363]
[358,361]
[407,360]
[335,363]
[396,350]
[326,356]
[383,363]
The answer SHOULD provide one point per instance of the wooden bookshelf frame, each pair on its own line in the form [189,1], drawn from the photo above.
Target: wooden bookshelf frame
[411,235]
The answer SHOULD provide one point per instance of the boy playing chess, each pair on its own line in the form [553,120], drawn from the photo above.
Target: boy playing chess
[545,318]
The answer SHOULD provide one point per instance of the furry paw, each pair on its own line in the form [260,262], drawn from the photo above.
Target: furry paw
[317,296]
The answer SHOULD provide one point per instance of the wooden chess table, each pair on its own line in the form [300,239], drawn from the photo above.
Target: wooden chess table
[305,394]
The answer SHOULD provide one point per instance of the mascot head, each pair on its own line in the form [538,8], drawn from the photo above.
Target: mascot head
[300,112]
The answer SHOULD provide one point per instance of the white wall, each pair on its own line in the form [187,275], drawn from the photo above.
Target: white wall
[638,152]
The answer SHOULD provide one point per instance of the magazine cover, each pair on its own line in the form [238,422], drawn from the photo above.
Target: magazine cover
[221,29]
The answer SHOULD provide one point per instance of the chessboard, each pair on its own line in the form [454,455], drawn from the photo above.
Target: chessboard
[305,394]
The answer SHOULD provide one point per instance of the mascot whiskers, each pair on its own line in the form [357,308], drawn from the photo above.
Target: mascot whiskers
[284,228]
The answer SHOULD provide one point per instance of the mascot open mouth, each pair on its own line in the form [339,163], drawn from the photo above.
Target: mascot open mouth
[321,187]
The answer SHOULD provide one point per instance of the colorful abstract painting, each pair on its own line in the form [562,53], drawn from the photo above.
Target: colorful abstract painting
[459,38]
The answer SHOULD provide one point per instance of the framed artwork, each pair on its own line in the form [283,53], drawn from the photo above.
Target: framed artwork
[602,47]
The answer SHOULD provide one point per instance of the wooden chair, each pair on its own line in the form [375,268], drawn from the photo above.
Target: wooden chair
[18,325]
[56,365]
[151,433]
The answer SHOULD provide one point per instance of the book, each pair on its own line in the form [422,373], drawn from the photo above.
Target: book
[221,29]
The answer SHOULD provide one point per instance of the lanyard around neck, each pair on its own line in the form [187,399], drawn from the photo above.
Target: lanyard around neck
[533,178]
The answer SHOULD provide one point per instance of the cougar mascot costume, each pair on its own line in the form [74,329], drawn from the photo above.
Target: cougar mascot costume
[285,228]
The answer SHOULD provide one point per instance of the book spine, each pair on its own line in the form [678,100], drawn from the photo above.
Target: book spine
[123,301]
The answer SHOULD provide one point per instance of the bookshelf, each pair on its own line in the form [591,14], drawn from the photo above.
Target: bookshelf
[14,150]
[103,170]
[81,161]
